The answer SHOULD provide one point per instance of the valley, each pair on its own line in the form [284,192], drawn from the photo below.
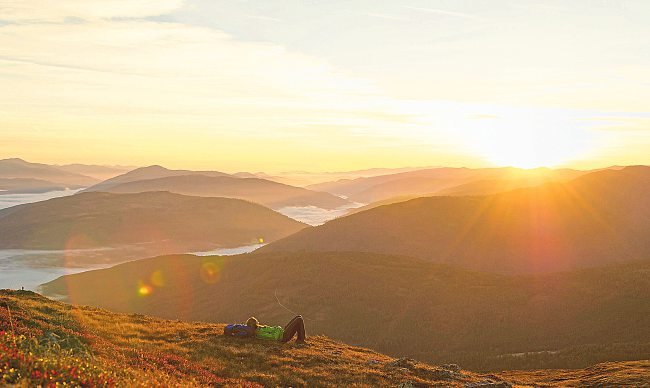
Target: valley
[440,279]
[298,194]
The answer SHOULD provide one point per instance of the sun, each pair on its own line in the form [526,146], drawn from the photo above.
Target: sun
[528,147]
[526,154]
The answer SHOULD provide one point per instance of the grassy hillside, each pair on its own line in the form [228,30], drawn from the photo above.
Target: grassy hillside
[608,374]
[265,192]
[170,220]
[599,218]
[46,342]
[402,306]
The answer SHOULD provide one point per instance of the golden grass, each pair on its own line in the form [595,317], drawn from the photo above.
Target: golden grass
[397,305]
[138,350]
[141,347]
[607,374]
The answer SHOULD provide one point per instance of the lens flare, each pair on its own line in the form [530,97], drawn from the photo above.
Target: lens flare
[144,290]
[157,278]
[209,272]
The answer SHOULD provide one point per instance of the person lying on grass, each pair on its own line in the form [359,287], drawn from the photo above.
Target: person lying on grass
[253,328]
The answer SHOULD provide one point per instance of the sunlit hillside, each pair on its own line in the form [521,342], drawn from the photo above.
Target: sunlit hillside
[46,342]
[398,305]
[450,193]
[599,218]
[443,181]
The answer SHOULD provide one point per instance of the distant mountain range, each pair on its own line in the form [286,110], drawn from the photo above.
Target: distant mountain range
[28,186]
[146,173]
[217,184]
[96,171]
[552,276]
[305,178]
[176,222]
[403,306]
[17,176]
[599,218]
[442,181]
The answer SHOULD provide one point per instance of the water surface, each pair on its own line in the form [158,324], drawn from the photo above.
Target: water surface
[9,200]
[230,251]
[31,268]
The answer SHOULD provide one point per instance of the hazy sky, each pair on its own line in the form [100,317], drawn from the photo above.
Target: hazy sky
[325,85]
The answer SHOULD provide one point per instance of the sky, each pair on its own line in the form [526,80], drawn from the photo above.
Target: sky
[325,85]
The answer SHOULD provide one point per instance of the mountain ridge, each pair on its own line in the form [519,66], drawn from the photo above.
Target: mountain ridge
[144,173]
[19,168]
[594,219]
[265,192]
[98,219]
[432,181]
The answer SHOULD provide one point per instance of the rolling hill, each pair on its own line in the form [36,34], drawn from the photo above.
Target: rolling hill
[442,181]
[493,186]
[47,342]
[175,222]
[599,218]
[265,192]
[398,305]
[48,175]
[144,173]
[383,202]
[305,178]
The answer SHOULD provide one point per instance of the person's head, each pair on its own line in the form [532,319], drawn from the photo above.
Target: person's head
[252,322]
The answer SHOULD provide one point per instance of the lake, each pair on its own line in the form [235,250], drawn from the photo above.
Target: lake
[9,200]
[31,268]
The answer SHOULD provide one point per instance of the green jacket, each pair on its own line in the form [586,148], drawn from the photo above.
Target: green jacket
[269,332]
